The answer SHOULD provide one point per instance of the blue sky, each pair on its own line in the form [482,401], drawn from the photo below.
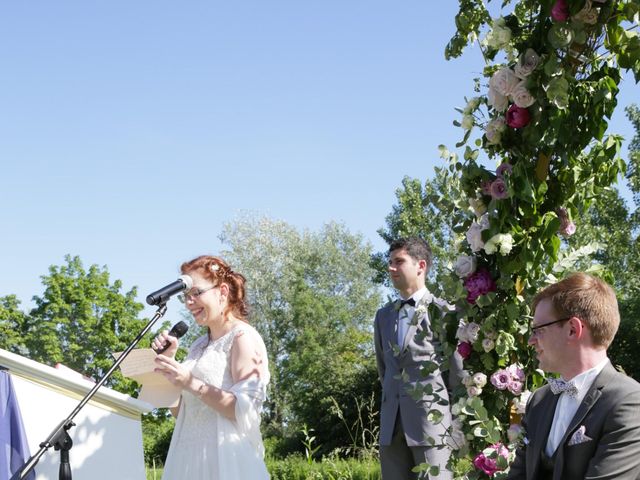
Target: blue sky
[131,131]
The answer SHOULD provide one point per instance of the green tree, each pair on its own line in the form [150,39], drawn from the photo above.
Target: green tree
[81,319]
[12,324]
[313,300]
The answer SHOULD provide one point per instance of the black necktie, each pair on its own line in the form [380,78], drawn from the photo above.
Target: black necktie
[411,302]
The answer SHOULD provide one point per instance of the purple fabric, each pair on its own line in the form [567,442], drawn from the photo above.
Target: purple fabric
[14,449]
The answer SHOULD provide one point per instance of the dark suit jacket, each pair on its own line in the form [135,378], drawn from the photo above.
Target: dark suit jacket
[395,362]
[610,413]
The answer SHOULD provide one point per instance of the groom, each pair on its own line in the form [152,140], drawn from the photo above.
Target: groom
[589,426]
[410,432]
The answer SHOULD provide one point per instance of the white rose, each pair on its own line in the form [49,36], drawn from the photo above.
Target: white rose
[461,332]
[521,96]
[503,242]
[527,64]
[504,81]
[468,381]
[491,246]
[497,101]
[474,234]
[465,265]
[474,237]
[520,403]
[473,391]
[488,344]
[506,243]
[472,331]
[499,36]
[480,379]
[467,122]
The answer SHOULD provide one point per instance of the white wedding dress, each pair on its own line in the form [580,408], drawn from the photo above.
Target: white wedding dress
[205,444]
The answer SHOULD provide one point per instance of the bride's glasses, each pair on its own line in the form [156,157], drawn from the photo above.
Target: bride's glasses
[193,293]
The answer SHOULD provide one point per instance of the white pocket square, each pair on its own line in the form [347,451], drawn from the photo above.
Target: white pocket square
[579,437]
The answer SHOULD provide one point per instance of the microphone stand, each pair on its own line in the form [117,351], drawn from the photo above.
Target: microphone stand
[59,438]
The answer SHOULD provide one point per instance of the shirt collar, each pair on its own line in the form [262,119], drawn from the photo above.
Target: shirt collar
[417,295]
[584,380]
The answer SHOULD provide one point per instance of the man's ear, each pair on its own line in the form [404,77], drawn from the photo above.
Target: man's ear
[422,264]
[577,328]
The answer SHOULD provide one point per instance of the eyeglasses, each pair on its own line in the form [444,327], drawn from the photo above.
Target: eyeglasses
[535,330]
[193,293]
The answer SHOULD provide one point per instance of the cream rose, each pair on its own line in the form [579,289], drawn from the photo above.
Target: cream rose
[504,81]
[527,64]
[465,265]
[521,96]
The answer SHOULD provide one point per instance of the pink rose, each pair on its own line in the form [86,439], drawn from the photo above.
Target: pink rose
[516,372]
[518,117]
[560,11]
[501,379]
[464,349]
[479,283]
[499,189]
[504,168]
[489,464]
[515,387]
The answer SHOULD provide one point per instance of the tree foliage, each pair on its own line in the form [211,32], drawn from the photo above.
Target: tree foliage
[79,321]
[313,300]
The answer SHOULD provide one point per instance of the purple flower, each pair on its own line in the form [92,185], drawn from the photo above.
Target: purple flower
[499,189]
[501,379]
[479,283]
[489,464]
[504,168]
[464,349]
[567,227]
[560,11]
[515,387]
[516,372]
[518,117]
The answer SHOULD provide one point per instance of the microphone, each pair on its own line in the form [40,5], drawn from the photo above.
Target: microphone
[161,296]
[178,330]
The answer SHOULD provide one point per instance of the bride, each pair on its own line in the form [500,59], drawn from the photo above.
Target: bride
[223,381]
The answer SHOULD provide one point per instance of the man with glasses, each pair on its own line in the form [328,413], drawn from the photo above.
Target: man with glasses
[586,424]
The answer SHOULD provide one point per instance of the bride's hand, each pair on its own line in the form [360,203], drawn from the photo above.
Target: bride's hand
[172,371]
[160,341]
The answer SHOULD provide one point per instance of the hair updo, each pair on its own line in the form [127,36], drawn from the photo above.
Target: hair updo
[218,272]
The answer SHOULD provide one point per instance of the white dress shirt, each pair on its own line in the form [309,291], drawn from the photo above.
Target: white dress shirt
[567,406]
[406,314]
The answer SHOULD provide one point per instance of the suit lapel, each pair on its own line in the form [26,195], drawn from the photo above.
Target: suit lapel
[414,321]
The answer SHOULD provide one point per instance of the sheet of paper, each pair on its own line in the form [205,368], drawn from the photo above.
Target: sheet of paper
[156,389]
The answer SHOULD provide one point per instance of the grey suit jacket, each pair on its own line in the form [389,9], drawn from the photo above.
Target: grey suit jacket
[399,370]
[610,413]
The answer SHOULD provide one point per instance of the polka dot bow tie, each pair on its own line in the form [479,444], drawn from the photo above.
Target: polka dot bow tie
[558,386]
